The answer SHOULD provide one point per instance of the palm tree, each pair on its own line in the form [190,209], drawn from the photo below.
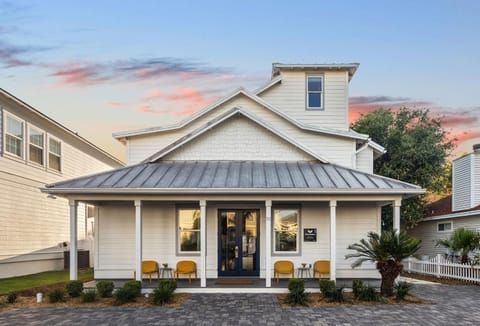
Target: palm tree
[462,240]
[387,251]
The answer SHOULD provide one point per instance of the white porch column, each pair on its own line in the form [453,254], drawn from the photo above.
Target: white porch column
[203,243]
[268,243]
[138,240]
[73,240]
[396,215]
[333,239]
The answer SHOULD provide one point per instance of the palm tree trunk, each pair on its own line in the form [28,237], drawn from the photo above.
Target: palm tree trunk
[389,270]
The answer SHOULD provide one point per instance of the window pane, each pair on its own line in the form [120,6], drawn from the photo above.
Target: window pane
[190,241]
[448,226]
[314,84]
[54,146]
[15,127]
[54,162]
[314,100]
[36,154]
[36,137]
[13,145]
[285,219]
[189,219]
[285,241]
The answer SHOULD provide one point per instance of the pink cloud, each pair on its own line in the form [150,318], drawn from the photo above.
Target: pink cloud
[116,104]
[154,93]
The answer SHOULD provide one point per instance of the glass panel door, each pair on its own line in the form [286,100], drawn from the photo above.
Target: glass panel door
[238,242]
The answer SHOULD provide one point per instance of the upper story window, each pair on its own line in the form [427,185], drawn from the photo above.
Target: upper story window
[54,154]
[315,92]
[36,145]
[188,230]
[286,230]
[14,136]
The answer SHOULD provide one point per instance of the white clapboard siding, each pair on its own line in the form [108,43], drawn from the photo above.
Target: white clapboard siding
[476,178]
[462,183]
[224,141]
[337,150]
[290,97]
[364,161]
[427,231]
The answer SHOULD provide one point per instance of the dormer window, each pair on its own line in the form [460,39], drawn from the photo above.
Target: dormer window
[315,92]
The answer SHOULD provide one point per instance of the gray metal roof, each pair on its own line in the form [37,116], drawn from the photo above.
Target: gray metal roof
[237,176]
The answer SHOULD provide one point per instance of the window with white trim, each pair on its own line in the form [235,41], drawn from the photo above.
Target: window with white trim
[444,227]
[36,145]
[286,230]
[315,92]
[14,136]
[54,154]
[188,237]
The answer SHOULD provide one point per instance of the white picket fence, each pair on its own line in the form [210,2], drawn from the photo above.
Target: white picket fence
[440,267]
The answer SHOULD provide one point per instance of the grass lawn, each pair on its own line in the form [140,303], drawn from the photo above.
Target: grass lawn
[30,281]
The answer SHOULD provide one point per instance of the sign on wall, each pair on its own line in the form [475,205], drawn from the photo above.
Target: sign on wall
[310,235]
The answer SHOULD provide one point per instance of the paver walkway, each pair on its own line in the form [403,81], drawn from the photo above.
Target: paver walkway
[453,305]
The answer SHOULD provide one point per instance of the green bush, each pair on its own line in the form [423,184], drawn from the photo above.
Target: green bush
[296,292]
[74,288]
[357,286]
[335,294]
[326,286]
[56,295]
[105,288]
[368,293]
[402,289]
[123,295]
[12,298]
[134,286]
[164,292]
[89,296]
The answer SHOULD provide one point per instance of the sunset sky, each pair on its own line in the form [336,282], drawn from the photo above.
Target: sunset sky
[103,66]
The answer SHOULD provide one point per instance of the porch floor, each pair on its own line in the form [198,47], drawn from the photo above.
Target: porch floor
[257,285]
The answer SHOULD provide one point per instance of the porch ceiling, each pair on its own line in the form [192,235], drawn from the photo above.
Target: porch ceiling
[233,177]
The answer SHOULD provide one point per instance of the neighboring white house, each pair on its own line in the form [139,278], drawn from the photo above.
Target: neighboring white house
[34,150]
[244,183]
[460,210]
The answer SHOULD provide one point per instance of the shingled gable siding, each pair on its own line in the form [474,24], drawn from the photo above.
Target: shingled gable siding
[239,139]
[289,96]
[335,149]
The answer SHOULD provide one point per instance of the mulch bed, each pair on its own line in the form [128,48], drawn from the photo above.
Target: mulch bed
[318,300]
[432,278]
[31,302]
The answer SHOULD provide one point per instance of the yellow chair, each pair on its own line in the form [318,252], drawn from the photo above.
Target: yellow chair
[186,267]
[321,267]
[150,267]
[283,267]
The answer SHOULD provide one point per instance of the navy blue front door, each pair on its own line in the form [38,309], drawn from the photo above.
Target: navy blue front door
[238,242]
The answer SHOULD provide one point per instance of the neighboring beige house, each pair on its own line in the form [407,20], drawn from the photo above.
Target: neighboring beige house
[34,150]
[257,177]
[460,210]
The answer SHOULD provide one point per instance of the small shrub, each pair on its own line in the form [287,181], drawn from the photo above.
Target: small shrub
[296,292]
[123,295]
[134,286]
[326,286]
[336,294]
[357,286]
[105,288]
[402,289]
[368,293]
[74,288]
[89,296]
[164,292]
[12,298]
[56,295]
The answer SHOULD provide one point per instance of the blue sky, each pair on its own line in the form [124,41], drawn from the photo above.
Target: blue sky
[105,66]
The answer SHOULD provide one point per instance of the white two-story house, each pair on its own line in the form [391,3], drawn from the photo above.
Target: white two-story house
[34,150]
[257,177]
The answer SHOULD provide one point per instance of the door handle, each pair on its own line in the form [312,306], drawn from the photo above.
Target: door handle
[236,251]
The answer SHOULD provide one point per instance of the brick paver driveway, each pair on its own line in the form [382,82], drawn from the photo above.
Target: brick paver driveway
[453,305]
